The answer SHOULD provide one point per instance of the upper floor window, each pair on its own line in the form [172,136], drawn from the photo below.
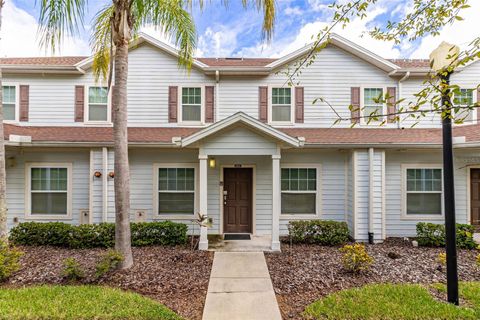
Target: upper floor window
[281,107]
[191,109]
[9,100]
[372,105]
[97,110]
[465,99]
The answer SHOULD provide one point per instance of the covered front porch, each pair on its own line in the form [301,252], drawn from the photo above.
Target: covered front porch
[239,158]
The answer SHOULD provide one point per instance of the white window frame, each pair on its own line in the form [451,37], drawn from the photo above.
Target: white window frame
[318,198]
[404,215]
[474,110]
[292,105]
[87,107]
[202,105]
[17,101]
[363,120]
[156,215]
[28,190]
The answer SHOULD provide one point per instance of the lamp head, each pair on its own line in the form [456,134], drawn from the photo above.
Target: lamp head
[445,55]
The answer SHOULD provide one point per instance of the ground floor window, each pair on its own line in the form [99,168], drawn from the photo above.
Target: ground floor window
[49,190]
[176,191]
[299,190]
[423,191]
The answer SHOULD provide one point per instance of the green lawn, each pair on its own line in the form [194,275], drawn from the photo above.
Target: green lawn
[389,301]
[78,302]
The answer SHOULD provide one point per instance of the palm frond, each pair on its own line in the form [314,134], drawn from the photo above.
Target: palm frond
[101,43]
[59,18]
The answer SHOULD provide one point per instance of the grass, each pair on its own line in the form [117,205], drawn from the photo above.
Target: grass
[395,301]
[79,302]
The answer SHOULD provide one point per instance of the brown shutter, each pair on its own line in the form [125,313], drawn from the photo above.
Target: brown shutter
[355,104]
[110,93]
[24,102]
[172,104]
[209,104]
[79,103]
[299,105]
[263,104]
[391,105]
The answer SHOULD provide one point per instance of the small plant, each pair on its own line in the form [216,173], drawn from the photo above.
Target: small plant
[109,261]
[9,257]
[355,258]
[72,270]
[442,258]
[478,257]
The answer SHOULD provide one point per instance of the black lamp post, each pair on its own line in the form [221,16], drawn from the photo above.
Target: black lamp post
[442,59]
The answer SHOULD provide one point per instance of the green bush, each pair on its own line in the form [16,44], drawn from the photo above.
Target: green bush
[324,232]
[433,235]
[109,261]
[72,270]
[9,257]
[96,235]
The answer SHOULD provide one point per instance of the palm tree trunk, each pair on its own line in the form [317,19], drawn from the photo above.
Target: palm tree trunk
[3,179]
[121,36]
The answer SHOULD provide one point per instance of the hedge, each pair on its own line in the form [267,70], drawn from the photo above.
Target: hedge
[433,235]
[324,232]
[101,235]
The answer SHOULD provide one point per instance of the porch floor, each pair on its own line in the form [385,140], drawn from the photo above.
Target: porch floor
[255,244]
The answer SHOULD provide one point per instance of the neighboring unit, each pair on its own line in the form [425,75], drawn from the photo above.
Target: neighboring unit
[231,140]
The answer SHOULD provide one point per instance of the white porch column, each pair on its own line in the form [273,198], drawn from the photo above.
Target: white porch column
[276,200]
[203,192]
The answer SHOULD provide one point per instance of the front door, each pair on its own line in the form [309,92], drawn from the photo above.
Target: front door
[475,196]
[237,200]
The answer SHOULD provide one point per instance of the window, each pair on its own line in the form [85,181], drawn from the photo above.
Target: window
[281,105]
[9,99]
[373,106]
[97,104]
[192,104]
[299,191]
[465,99]
[423,191]
[176,191]
[48,190]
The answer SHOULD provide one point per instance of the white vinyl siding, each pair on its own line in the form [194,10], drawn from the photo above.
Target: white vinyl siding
[10,102]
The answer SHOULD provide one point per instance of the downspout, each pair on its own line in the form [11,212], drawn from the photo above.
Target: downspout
[405,77]
[217,92]
[370,195]
[104,184]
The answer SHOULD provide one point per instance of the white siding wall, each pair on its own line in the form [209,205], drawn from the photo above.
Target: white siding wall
[16,180]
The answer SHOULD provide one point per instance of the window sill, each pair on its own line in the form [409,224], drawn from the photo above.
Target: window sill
[48,217]
[281,123]
[11,121]
[98,123]
[421,217]
[191,123]
[284,216]
[173,217]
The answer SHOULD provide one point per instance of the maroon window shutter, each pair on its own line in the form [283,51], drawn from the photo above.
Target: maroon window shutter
[391,105]
[79,103]
[110,93]
[24,102]
[355,104]
[209,104]
[299,105]
[172,103]
[263,104]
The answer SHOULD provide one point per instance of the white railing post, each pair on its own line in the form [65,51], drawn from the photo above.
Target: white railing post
[203,192]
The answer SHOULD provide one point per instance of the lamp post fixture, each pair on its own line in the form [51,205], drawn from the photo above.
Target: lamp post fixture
[443,61]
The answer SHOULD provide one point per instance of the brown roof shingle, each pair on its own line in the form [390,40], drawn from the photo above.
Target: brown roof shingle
[411,63]
[43,61]
[236,62]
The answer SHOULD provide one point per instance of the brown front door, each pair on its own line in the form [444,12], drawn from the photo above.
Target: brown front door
[237,200]
[475,196]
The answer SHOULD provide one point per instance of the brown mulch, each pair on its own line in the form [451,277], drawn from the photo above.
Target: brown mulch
[302,274]
[175,276]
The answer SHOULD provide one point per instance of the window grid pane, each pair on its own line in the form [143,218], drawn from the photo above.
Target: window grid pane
[299,179]
[176,179]
[424,180]
[176,191]
[191,104]
[8,95]
[49,191]
[424,191]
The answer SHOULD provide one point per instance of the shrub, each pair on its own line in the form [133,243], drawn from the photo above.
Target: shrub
[9,257]
[433,235]
[96,235]
[109,261]
[324,232]
[442,258]
[72,270]
[355,258]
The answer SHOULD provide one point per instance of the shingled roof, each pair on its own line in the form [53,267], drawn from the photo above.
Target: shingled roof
[43,61]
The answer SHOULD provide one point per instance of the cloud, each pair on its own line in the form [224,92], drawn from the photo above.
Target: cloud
[293,11]
[460,32]
[19,36]
[218,42]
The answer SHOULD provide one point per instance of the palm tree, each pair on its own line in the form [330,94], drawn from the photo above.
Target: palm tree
[3,178]
[114,27]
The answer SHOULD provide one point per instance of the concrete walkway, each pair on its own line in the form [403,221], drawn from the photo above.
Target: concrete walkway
[240,288]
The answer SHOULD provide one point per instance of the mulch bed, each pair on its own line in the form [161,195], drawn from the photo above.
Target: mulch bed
[175,276]
[302,274]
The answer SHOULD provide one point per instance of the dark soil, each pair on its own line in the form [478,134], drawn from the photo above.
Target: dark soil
[302,274]
[175,276]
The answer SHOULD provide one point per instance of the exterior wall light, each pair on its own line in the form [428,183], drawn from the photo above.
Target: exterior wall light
[111,174]
[212,163]
[97,174]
